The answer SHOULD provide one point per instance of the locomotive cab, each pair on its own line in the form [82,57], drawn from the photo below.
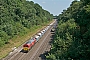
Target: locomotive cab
[25,48]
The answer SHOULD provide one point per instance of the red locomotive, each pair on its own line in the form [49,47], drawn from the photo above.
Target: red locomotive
[29,44]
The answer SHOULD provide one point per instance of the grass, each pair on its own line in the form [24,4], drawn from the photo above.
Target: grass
[19,40]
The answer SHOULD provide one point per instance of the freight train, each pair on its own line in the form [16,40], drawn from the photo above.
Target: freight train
[28,45]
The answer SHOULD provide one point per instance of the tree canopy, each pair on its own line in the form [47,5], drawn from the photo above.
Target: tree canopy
[72,36]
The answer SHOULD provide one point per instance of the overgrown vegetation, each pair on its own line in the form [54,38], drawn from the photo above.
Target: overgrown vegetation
[72,36]
[18,16]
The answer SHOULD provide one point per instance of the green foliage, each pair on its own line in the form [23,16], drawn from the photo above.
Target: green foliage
[3,38]
[18,16]
[63,39]
[72,36]
[51,57]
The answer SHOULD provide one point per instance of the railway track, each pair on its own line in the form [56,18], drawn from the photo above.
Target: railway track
[37,51]
[42,48]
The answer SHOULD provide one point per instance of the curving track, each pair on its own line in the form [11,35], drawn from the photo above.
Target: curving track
[36,52]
